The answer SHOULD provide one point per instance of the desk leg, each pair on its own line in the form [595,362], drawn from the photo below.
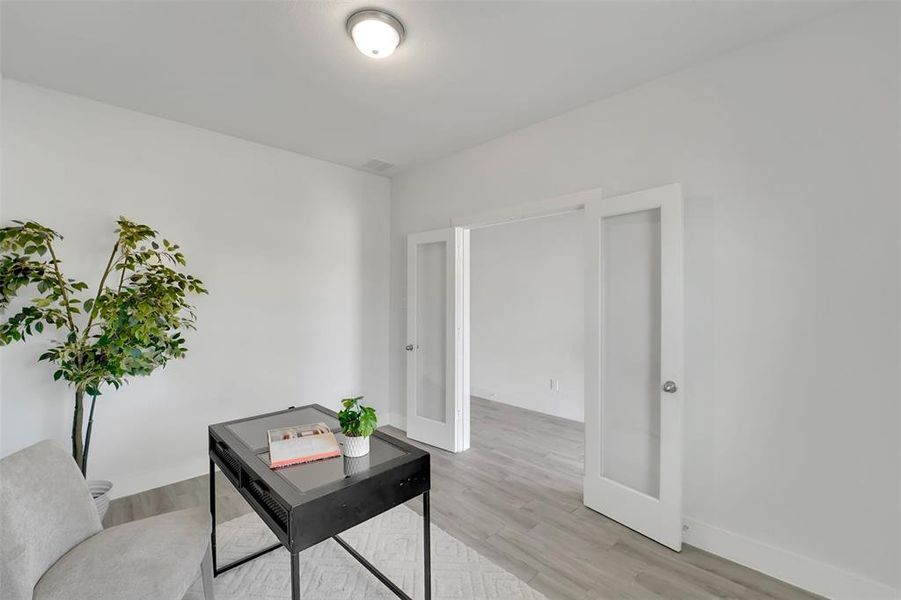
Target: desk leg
[213,516]
[427,545]
[217,570]
[295,576]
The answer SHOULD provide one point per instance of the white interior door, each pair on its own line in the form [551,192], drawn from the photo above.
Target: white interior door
[437,338]
[633,361]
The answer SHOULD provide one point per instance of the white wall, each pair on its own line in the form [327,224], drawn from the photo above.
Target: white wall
[293,250]
[527,314]
[789,154]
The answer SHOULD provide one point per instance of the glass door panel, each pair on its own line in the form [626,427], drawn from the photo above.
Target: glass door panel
[630,418]
[431,331]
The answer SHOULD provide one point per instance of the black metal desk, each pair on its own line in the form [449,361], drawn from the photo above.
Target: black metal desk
[309,503]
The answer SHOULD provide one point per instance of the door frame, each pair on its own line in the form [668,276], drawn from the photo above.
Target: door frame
[549,207]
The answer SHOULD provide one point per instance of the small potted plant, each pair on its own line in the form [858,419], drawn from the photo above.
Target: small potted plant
[357,422]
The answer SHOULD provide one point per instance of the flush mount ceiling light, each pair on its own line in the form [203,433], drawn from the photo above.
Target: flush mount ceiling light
[376,33]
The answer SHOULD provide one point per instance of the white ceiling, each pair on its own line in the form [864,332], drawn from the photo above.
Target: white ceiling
[287,75]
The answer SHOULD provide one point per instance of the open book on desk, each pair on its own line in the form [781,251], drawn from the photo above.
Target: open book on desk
[301,444]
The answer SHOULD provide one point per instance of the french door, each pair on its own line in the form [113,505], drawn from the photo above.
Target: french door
[633,361]
[438,338]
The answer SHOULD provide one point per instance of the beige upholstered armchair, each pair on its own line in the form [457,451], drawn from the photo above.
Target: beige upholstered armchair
[53,547]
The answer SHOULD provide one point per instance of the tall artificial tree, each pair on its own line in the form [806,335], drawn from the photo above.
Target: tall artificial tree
[132,325]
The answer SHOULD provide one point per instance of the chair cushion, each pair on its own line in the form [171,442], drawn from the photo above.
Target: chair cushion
[151,559]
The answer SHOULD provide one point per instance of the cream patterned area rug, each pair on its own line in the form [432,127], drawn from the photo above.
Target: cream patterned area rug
[391,541]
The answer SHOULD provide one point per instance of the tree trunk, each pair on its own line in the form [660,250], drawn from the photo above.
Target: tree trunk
[77,421]
[87,437]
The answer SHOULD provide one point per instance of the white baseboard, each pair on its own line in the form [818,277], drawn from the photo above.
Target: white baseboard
[481,393]
[486,394]
[792,568]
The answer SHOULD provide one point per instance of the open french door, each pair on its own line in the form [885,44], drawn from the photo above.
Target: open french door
[633,361]
[438,338]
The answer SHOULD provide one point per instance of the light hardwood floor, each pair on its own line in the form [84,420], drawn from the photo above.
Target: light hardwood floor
[518,501]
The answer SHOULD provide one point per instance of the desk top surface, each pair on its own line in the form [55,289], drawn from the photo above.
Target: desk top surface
[248,440]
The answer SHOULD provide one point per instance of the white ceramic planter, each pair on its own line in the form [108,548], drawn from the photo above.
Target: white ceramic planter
[100,490]
[356,446]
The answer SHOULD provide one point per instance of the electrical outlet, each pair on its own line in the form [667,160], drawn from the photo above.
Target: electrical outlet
[555,385]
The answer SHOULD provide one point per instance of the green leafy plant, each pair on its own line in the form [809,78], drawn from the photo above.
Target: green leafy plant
[133,324]
[357,420]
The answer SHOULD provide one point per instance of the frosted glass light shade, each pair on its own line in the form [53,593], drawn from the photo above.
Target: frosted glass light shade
[375,33]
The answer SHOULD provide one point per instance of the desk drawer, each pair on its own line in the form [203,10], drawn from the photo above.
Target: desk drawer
[260,492]
[257,493]
[227,461]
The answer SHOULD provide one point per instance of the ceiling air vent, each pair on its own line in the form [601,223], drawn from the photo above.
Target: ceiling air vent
[377,165]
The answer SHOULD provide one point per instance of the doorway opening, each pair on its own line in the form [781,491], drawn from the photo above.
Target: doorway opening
[526,355]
